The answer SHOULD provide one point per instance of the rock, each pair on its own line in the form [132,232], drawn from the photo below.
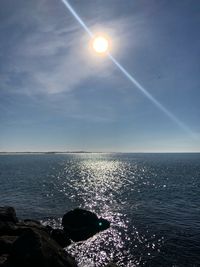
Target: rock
[22,226]
[36,248]
[32,222]
[81,224]
[60,237]
[3,260]
[28,243]
[7,228]
[6,244]
[8,214]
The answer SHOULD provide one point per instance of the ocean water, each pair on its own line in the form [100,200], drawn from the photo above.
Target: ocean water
[152,201]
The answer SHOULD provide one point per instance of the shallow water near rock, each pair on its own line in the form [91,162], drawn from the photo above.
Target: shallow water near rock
[151,200]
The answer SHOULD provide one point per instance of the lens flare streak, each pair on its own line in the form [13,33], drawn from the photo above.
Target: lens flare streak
[129,76]
[149,96]
[80,21]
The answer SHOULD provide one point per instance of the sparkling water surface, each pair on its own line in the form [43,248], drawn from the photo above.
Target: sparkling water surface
[151,200]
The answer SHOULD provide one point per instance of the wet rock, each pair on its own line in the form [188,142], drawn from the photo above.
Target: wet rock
[81,224]
[8,214]
[35,248]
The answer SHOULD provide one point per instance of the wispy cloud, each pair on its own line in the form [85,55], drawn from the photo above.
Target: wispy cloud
[52,56]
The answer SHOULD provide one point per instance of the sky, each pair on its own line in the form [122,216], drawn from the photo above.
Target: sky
[56,94]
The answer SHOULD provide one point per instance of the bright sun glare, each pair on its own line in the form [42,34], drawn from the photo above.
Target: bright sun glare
[100,44]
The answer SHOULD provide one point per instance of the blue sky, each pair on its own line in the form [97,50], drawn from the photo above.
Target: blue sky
[55,94]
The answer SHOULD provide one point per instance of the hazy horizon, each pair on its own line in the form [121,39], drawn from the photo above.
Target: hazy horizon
[87,151]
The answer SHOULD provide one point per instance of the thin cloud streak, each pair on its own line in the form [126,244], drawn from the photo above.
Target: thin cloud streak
[48,60]
[77,18]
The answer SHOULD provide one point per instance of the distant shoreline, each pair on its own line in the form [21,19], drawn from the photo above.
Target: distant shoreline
[87,152]
[49,152]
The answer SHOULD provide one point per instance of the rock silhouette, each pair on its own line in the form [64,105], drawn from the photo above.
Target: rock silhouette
[35,248]
[80,224]
[8,214]
[28,243]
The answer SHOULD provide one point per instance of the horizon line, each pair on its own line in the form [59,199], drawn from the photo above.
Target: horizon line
[100,152]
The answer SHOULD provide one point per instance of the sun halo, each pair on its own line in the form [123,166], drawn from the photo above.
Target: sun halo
[100,44]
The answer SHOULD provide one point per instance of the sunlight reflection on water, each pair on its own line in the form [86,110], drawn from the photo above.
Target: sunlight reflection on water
[100,185]
[151,200]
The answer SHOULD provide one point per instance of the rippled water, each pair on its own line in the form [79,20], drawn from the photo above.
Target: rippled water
[152,201]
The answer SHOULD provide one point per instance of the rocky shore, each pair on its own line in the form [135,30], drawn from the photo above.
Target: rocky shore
[28,243]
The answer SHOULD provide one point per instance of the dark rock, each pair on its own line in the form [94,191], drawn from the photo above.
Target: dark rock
[28,243]
[6,244]
[60,237]
[32,222]
[81,224]
[3,260]
[8,214]
[35,248]
[22,226]
[7,228]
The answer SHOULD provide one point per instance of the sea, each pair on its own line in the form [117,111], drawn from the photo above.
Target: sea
[151,200]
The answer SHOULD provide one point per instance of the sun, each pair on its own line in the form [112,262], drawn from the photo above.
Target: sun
[100,44]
